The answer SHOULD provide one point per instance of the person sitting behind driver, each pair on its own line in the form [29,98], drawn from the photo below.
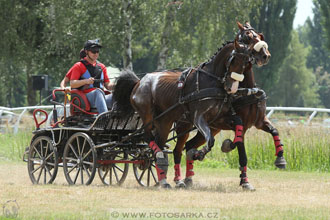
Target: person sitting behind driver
[86,75]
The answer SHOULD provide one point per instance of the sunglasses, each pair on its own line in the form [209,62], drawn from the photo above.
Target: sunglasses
[94,51]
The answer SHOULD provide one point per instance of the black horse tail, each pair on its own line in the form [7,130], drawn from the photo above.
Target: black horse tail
[122,92]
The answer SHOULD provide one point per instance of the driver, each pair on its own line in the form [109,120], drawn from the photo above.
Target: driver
[90,76]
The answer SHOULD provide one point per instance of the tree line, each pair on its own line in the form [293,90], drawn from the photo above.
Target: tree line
[45,36]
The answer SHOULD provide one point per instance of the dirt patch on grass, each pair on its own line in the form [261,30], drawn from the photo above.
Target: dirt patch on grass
[279,195]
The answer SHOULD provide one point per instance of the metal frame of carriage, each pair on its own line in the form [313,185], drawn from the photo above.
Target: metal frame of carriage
[84,144]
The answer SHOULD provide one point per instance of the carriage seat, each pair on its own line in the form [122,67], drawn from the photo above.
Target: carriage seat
[79,99]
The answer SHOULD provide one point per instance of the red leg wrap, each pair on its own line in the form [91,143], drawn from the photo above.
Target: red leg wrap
[238,134]
[177,169]
[190,168]
[154,147]
[160,173]
[244,178]
[278,144]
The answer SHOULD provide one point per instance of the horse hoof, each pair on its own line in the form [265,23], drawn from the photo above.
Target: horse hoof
[166,186]
[200,155]
[280,162]
[180,184]
[191,154]
[248,187]
[188,182]
[227,146]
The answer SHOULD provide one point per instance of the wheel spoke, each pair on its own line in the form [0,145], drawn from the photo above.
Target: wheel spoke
[73,150]
[87,171]
[110,180]
[35,170]
[105,174]
[83,147]
[141,176]
[41,150]
[37,151]
[75,179]
[51,164]
[50,174]
[118,168]
[116,175]
[87,162]
[40,175]
[52,153]
[45,175]
[78,146]
[72,168]
[70,158]
[152,172]
[82,175]
[46,151]
[90,150]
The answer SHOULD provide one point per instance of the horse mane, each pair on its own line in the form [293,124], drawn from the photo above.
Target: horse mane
[218,51]
[122,91]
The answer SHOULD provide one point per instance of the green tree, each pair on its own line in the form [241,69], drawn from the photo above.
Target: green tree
[298,84]
[274,18]
[325,21]
[313,35]
[21,45]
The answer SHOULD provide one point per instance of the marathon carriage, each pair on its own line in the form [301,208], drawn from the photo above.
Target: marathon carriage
[85,144]
[200,97]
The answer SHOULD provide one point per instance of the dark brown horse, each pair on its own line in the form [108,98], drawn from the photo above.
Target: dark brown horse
[250,111]
[160,103]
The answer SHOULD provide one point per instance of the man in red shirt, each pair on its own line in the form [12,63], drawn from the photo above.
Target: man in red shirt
[91,77]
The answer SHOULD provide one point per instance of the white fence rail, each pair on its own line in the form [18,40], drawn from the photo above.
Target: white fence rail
[13,116]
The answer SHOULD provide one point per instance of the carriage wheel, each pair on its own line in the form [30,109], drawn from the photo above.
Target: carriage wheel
[116,173]
[42,161]
[79,159]
[145,173]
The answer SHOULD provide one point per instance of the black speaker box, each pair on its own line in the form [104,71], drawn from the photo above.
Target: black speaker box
[40,82]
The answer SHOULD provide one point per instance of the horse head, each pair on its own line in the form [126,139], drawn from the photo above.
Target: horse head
[255,40]
[238,60]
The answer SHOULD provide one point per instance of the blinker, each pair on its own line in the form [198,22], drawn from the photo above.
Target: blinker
[237,76]
[257,47]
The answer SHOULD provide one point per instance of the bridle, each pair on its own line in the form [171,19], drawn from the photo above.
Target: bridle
[244,38]
[248,57]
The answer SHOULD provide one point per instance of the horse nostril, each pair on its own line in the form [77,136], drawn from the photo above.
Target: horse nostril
[265,57]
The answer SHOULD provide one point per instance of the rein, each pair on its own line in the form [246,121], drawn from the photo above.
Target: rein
[228,63]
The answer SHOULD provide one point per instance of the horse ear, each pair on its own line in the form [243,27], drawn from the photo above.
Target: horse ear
[240,26]
[262,36]
[247,23]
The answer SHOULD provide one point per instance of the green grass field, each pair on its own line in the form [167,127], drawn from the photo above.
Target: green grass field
[305,149]
[302,191]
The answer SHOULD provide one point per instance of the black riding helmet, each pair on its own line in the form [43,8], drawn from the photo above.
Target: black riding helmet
[92,44]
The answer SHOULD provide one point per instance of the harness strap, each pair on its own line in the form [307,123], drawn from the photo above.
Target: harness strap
[209,74]
[213,93]
[248,100]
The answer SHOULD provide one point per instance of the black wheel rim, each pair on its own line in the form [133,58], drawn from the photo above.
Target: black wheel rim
[114,174]
[42,161]
[79,159]
[146,177]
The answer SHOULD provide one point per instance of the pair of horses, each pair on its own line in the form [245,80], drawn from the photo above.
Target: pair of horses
[205,101]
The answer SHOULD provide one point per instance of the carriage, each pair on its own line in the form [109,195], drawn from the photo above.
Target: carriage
[200,98]
[85,143]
